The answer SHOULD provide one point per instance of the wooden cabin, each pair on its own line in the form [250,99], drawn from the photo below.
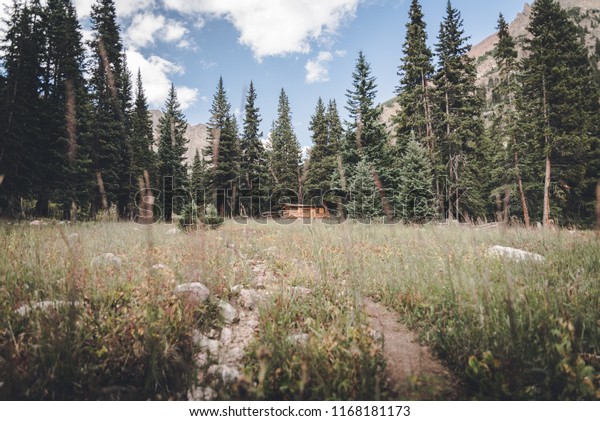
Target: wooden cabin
[293,211]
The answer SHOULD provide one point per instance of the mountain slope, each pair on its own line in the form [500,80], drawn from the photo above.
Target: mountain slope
[586,13]
[197,135]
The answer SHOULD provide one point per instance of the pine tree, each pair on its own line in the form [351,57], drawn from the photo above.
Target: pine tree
[460,126]
[141,135]
[557,103]
[508,148]
[285,156]
[416,72]
[223,151]
[366,136]
[200,180]
[172,146]
[21,126]
[254,173]
[364,201]
[416,198]
[322,160]
[110,85]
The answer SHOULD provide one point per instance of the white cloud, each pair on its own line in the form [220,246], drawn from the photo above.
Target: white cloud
[145,27]
[316,70]
[275,27]
[155,75]
[187,96]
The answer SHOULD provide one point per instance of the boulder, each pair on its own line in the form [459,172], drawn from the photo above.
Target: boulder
[228,313]
[194,293]
[514,254]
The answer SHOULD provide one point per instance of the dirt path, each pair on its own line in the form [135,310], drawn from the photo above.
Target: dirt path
[412,370]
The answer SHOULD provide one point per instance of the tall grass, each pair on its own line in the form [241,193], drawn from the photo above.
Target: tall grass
[508,330]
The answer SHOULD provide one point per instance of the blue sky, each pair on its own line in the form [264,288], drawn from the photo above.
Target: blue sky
[307,47]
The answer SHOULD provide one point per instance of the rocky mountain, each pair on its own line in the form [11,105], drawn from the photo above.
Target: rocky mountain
[197,135]
[586,13]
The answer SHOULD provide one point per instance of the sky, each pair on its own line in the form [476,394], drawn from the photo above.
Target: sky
[307,47]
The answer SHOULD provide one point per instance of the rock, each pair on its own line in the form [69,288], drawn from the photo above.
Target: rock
[44,306]
[202,394]
[194,293]
[212,334]
[226,336]
[160,266]
[206,344]
[173,231]
[228,313]
[228,375]
[299,339]
[236,290]
[248,299]
[201,359]
[514,254]
[107,259]
[35,223]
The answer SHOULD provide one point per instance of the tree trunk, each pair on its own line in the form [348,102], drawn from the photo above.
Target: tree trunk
[547,179]
[546,218]
[522,191]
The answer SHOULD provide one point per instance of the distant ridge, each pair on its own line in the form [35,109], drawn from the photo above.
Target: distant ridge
[197,135]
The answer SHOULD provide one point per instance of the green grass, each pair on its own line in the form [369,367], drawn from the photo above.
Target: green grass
[507,330]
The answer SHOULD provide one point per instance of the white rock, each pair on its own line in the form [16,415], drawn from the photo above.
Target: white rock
[202,394]
[107,259]
[236,290]
[44,306]
[247,299]
[35,223]
[173,231]
[194,293]
[209,345]
[229,314]
[229,375]
[160,266]
[299,339]
[226,336]
[514,254]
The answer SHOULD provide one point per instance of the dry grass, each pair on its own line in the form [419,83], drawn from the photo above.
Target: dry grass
[507,330]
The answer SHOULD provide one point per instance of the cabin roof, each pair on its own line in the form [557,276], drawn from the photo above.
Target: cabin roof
[293,205]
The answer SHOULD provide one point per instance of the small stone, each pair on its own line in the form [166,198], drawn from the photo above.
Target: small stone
[226,336]
[35,223]
[212,334]
[247,299]
[173,231]
[160,266]
[229,375]
[201,359]
[202,394]
[194,293]
[229,314]
[299,339]
[514,254]
[107,259]
[44,306]
[236,290]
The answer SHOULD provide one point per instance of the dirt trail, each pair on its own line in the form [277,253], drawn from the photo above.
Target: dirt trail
[412,370]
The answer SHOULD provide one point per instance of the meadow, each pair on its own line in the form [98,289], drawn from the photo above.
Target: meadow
[79,323]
